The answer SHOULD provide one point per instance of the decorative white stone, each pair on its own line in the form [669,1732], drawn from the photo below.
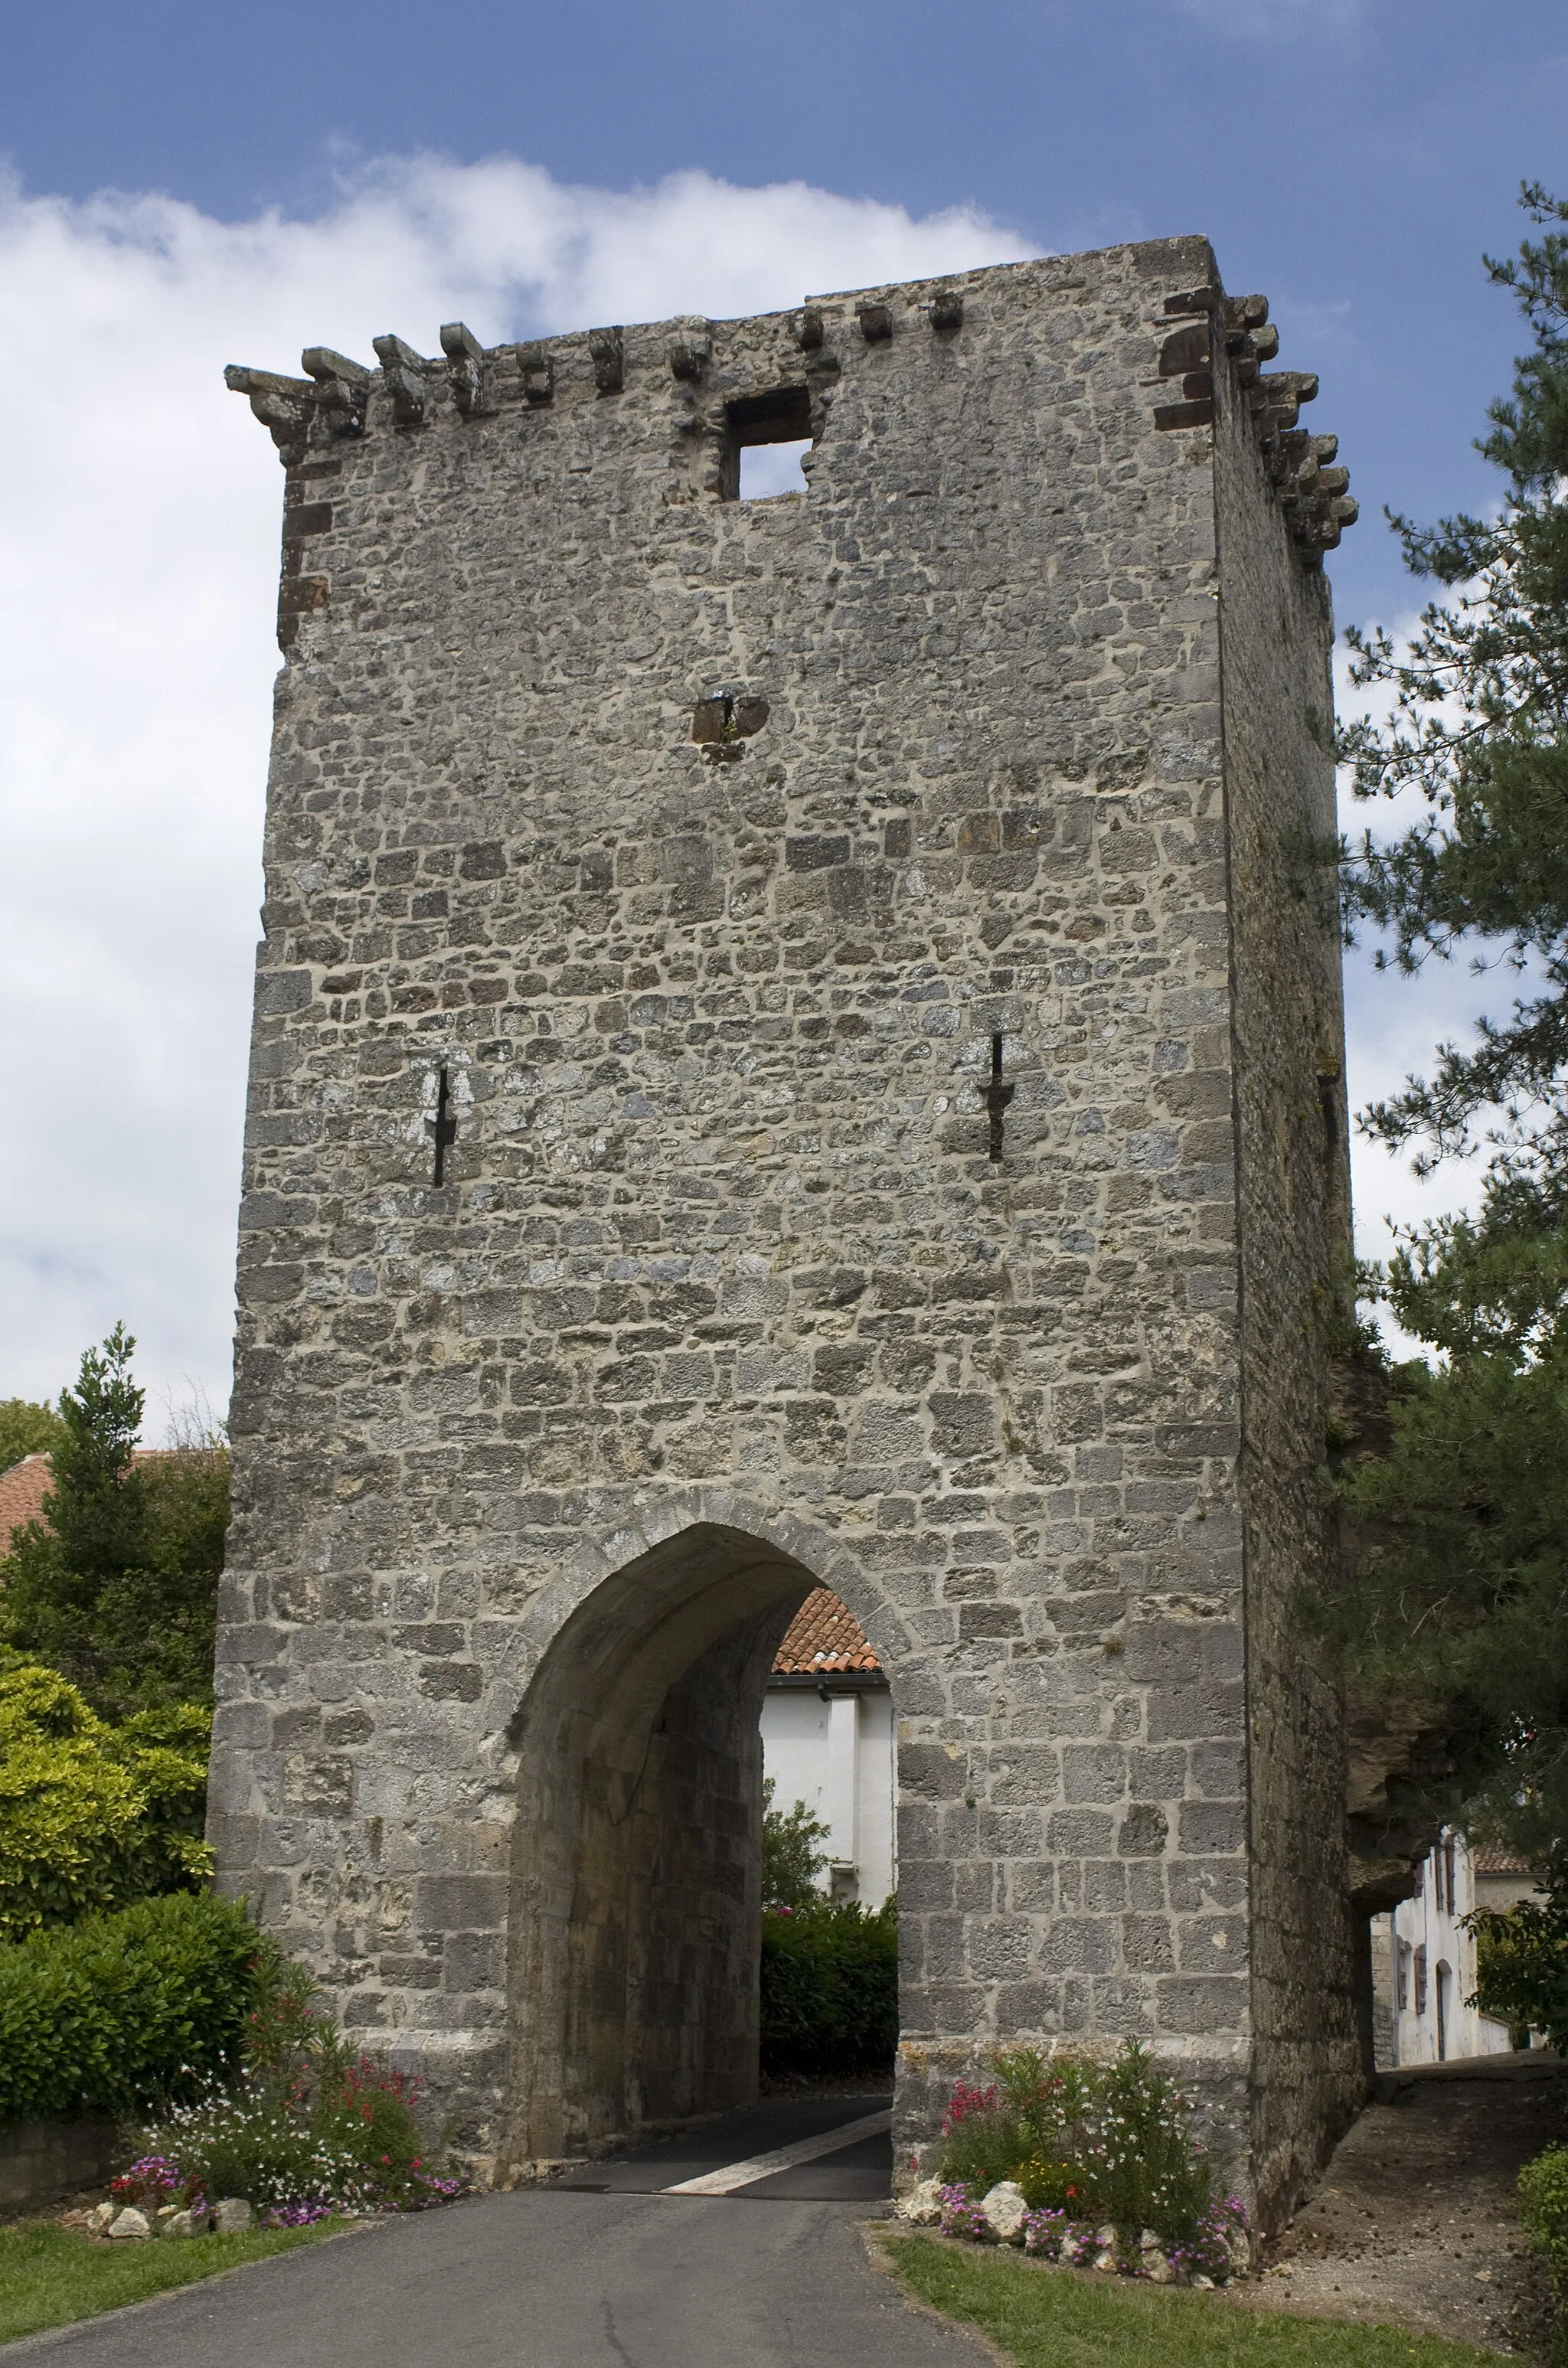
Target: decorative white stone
[129,2223]
[99,2217]
[922,2205]
[184,2223]
[1159,2271]
[1201,2281]
[1005,2207]
[1106,2261]
[232,2216]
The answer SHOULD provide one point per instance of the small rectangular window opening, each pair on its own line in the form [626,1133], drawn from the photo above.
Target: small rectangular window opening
[766,437]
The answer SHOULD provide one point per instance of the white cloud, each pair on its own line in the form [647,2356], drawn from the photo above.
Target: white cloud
[139,506]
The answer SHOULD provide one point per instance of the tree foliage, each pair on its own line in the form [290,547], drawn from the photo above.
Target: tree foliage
[92,1816]
[116,1585]
[26,1429]
[1480,731]
[1461,1590]
[790,1858]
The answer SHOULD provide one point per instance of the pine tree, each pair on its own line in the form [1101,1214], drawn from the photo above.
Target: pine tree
[115,1587]
[1462,1595]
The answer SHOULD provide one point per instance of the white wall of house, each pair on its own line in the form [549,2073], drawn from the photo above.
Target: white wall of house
[832,1749]
[1427,1960]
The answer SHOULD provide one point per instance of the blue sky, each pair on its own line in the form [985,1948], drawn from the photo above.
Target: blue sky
[1350,158]
[284,174]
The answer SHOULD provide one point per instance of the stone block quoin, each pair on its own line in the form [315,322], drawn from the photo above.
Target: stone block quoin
[795,1043]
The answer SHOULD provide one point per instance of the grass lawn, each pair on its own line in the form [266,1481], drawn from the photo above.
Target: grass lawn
[51,2275]
[1045,2319]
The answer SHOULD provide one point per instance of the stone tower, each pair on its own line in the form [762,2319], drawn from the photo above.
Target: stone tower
[799,1042]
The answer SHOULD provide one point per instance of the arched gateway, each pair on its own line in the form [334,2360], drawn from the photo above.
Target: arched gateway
[799,1042]
[635,1900]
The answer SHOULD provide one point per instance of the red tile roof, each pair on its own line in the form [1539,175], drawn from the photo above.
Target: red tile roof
[823,1636]
[24,1487]
[22,1492]
[1500,1861]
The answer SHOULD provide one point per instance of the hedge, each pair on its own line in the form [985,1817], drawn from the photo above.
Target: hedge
[829,1989]
[124,2012]
[93,1816]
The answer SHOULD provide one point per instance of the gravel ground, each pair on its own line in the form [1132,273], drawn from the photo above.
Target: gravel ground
[1416,2220]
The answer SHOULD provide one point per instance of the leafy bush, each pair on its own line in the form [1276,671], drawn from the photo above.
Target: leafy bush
[1096,2142]
[829,1988]
[1522,1963]
[309,2126]
[92,1816]
[790,1858]
[1543,2192]
[123,2011]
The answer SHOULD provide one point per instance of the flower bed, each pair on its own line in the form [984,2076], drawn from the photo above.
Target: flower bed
[310,2128]
[1095,2166]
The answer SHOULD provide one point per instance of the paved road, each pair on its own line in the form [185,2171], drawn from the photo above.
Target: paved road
[612,2273]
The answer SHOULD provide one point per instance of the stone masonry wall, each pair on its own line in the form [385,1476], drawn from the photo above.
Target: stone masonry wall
[1276,635]
[687,872]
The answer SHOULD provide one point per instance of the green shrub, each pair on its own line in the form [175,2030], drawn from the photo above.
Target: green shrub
[790,1858]
[127,2010]
[1109,2142]
[1543,2193]
[829,1988]
[1522,1966]
[308,2126]
[92,1816]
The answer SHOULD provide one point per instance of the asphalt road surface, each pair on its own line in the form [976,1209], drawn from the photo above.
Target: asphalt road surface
[767,2268]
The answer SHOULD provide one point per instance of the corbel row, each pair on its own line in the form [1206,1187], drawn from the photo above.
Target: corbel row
[1314,493]
[336,392]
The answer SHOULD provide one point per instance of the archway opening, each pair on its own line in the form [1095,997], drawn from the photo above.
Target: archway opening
[636,1878]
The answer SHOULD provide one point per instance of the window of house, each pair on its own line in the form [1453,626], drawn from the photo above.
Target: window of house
[1420,1880]
[767,440]
[1449,1873]
[1401,1974]
[1420,1981]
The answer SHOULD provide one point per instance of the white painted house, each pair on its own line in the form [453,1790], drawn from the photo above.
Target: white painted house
[1424,1967]
[827,1740]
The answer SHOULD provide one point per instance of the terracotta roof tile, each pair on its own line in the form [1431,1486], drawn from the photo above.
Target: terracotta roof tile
[22,1492]
[24,1487]
[1499,1861]
[823,1636]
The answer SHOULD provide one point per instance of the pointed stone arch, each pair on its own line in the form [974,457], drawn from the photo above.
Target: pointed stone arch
[635,1881]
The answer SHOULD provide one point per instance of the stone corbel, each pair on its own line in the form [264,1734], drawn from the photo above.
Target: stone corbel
[465,369]
[402,374]
[691,351]
[536,367]
[607,350]
[343,388]
[946,311]
[284,406]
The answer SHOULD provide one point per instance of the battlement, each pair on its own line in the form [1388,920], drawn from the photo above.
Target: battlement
[772,377]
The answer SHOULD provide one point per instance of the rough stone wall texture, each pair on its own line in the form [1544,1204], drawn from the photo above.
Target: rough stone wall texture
[40,2161]
[701,862]
[1291,1128]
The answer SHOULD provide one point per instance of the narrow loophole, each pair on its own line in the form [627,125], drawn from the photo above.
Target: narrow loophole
[444,1127]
